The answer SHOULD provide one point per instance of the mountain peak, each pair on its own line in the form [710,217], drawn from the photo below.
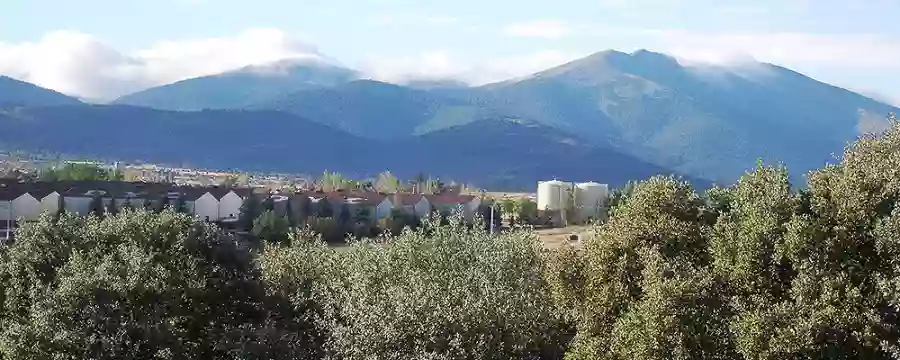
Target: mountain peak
[647,54]
[286,66]
[17,92]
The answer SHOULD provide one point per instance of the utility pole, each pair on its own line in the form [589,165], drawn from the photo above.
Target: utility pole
[492,216]
[9,220]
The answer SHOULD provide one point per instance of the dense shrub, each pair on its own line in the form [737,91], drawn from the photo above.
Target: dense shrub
[457,294]
[756,270]
[326,227]
[752,271]
[133,286]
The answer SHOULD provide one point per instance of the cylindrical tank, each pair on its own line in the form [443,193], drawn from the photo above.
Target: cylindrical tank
[552,195]
[590,199]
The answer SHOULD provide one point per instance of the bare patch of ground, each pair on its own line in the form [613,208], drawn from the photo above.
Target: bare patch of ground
[554,238]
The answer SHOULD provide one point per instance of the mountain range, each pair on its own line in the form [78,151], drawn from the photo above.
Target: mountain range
[487,152]
[609,117]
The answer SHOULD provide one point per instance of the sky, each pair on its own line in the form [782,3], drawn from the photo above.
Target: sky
[102,49]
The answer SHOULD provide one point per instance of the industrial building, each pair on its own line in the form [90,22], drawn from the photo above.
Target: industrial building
[567,202]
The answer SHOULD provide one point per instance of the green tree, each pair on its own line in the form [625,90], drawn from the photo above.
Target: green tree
[181,205]
[648,291]
[271,227]
[824,283]
[72,171]
[136,286]
[528,209]
[387,183]
[230,181]
[344,216]
[250,210]
[327,227]
[96,205]
[268,204]
[243,179]
[332,181]
[620,196]
[465,306]
[363,214]
[508,208]
[111,208]
[324,208]
[304,208]
[290,214]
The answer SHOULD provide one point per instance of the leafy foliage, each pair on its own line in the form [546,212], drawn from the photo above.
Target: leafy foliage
[447,293]
[271,227]
[753,271]
[387,183]
[250,210]
[75,171]
[137,285]
[756,270]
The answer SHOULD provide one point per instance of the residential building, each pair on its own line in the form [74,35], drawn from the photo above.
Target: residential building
[450,203]
[413,204]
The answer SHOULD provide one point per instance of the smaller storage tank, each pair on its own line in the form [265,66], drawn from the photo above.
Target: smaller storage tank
[591,199]
[552,195]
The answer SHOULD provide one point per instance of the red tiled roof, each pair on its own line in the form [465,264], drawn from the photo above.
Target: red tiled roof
[407,199]
[450,199]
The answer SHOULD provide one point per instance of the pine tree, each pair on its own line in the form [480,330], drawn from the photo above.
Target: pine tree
[325,209]
[268,204]
[250,210]
[305,209]
[289,213]
[96,206]
[112,209]
[344,216]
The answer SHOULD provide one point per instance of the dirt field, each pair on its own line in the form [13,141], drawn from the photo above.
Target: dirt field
[554,238]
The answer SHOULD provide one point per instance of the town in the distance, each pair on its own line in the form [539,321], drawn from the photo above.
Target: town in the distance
[449,180]
[330,204]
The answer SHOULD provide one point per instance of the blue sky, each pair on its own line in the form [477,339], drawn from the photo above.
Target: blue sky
[103,48]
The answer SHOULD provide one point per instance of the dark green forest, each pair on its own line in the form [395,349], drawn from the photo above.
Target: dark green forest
[762,269]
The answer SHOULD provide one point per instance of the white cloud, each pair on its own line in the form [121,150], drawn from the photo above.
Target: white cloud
[861,51]
[83,65]
[548,29]
[80,64]
[440,64]
[435,64]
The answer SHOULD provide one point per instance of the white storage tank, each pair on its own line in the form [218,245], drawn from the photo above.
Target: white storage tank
[591,198]
[552,195]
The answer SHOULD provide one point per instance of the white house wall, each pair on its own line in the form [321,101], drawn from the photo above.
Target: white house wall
[422,208]
[26,207]
[207,207]
[230,205]
[383,209]
[50,203]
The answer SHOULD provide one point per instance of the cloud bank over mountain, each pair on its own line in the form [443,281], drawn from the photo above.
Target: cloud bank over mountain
[80,64]
[86,66]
